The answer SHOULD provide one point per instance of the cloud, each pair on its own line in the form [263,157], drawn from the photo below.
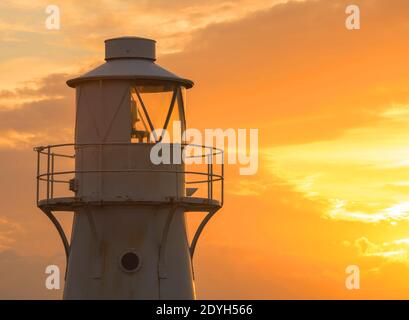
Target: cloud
[393,214]
[273,67]
[384,268]
[50,86]
[391,251]
[172,23]
[41,111]
[295,72]
[8,232]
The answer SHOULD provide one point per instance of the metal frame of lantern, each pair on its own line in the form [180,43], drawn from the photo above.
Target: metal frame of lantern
[176,96]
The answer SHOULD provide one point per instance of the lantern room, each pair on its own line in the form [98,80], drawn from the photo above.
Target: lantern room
[138,99]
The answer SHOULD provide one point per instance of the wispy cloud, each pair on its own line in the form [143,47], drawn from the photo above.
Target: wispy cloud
[393,251]
[8,231]
[393,214]
[50,87]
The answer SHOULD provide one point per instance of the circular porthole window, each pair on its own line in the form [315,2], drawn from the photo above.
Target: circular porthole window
[130,261]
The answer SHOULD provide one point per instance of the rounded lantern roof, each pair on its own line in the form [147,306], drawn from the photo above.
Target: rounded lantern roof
[130,58]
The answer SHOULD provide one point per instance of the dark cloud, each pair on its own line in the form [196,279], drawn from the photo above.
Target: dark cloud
[39,116]
[51,86]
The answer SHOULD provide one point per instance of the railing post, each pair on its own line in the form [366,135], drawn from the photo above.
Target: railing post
[210,176]
[222,180]
[38,173]
[177,185]
[100,177]
[52,175]
[48,173]
[208,180]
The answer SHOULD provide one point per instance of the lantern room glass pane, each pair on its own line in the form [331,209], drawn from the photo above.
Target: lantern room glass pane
[154,108]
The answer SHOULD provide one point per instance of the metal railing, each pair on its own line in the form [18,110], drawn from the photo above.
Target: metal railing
[48,158]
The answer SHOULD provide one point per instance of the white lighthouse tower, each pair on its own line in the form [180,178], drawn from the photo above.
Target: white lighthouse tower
[129,237]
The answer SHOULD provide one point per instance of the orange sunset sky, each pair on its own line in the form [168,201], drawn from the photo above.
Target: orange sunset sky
[331,106]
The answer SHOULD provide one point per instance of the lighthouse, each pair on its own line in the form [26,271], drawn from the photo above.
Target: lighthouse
[129,236]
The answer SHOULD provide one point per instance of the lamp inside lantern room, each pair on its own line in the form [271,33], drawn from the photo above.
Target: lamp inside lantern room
[158,113]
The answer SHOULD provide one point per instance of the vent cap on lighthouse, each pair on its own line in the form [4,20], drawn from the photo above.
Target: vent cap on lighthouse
[130,58]
[130,47]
